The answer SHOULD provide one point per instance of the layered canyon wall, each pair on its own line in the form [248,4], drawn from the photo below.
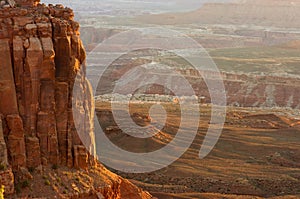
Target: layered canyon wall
[242,90]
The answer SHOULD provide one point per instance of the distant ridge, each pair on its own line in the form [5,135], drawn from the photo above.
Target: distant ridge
[269,13]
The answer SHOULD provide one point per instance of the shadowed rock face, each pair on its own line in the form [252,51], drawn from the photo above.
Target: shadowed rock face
[41,53]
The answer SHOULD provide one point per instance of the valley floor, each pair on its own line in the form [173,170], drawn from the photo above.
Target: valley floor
[258,154]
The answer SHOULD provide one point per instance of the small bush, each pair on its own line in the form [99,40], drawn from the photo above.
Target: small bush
[18,188]
[31,169]
[3,167]
[47,182]
[55,167]
[25,184]
[58,179]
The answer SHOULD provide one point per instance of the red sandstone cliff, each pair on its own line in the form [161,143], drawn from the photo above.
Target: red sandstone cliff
[41,53]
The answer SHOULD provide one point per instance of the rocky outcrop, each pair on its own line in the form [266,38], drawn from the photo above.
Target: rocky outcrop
[41,53]
[41,57]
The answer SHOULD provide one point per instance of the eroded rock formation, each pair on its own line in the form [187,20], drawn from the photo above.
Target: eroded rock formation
[41,52]
[242,90]
[41,56]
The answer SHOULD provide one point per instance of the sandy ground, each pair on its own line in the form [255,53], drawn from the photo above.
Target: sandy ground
[258,154]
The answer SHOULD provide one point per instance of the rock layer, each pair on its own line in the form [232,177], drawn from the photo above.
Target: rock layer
[41,54]
[41,58]
[242,90]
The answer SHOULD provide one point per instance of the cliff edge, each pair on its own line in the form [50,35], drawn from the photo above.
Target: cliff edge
[41,54]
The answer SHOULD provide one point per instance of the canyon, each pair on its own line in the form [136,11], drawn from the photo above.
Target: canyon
[248,81]
[255,45]
[44,92]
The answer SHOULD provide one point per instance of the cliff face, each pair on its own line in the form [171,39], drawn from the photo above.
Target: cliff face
[41,54]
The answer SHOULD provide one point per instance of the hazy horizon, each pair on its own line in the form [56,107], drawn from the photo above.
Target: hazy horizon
[137,6]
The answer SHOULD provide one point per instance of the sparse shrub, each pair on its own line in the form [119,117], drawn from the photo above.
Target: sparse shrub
[18,188]
[21,185]
[47,182]
[25,184]
[2,167]
[31,169]
[58,179]
[55,167]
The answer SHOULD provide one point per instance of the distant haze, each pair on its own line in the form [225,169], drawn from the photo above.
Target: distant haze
[136,6]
